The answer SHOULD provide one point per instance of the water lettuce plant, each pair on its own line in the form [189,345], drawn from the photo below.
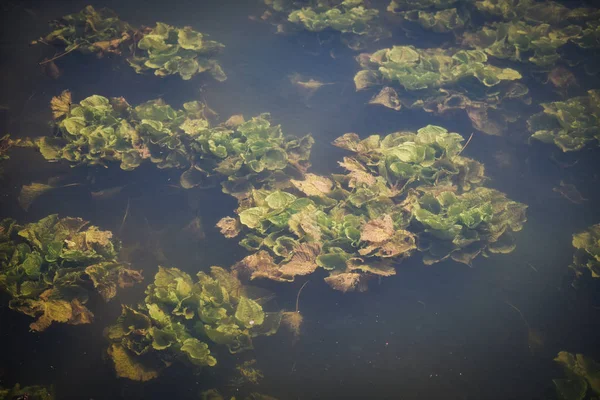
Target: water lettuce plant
[534,11]
[51,267]
[442,21]
[349,16]
[357,23]
[99,131]
[571,125]
[26,393]
[439,80]
[586,260]
[403,192]
[520,41]
[582,379]
[181,319]
[164,49]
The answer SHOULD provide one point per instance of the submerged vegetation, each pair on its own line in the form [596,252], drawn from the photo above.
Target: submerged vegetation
[586,260]
[181,317]
[51,267]
[99,131]
[438,81]
[571,124]
[164,49]
[582,379]
[353,19]
[26,393]
[401,189]
[394,195]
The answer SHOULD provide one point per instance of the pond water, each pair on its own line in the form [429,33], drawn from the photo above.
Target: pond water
[445,330]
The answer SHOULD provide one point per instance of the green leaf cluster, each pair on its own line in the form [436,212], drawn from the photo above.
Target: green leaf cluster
[586,260]
[99,130]
[180,317]
[439,80]
[356,22]
[356,225]
[419,69]
[165,49]
[520,41]
[549,12]
[571,124]
[349,16]
[168,50]
[49,268]
[443,21]
[27,392]
[461,227]
[397,6]
[582,377]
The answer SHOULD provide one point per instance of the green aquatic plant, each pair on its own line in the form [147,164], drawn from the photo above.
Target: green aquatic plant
[582,379]
[439,81]
[442,21]
[549,12]
[586,260]
[26,393]
[164,49]
[520,41]
[357,23]
[349,16]
[571,125]
[181,317]
[99,131]
[463,226]
[50,268]
[359,224]
[396,6]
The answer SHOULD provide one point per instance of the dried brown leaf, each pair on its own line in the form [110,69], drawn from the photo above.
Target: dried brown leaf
[230,227]
[313,185]
[378,230]
[303,261]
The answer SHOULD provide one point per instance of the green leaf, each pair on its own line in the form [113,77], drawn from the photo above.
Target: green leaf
[249,313]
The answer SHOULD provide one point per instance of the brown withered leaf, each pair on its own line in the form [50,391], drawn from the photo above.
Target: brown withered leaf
[230,227]
[380,268]
[344,282]
[313,185]
[378,230]
[61,104]
[402,242]
[348,141]
[234,120]
[260,265]
[303,261]
[358,172]
[387,97]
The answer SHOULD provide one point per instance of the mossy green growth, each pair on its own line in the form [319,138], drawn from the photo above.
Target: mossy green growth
[182,318]
[164,49]
[99,131]
[49,268]
[571,125]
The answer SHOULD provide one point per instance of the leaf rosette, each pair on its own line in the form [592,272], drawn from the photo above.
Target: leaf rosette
[181,319]
[50,268]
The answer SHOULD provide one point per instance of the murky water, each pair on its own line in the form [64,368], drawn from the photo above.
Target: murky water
[440,331]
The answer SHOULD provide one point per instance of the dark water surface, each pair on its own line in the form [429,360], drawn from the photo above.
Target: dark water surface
[431,332]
